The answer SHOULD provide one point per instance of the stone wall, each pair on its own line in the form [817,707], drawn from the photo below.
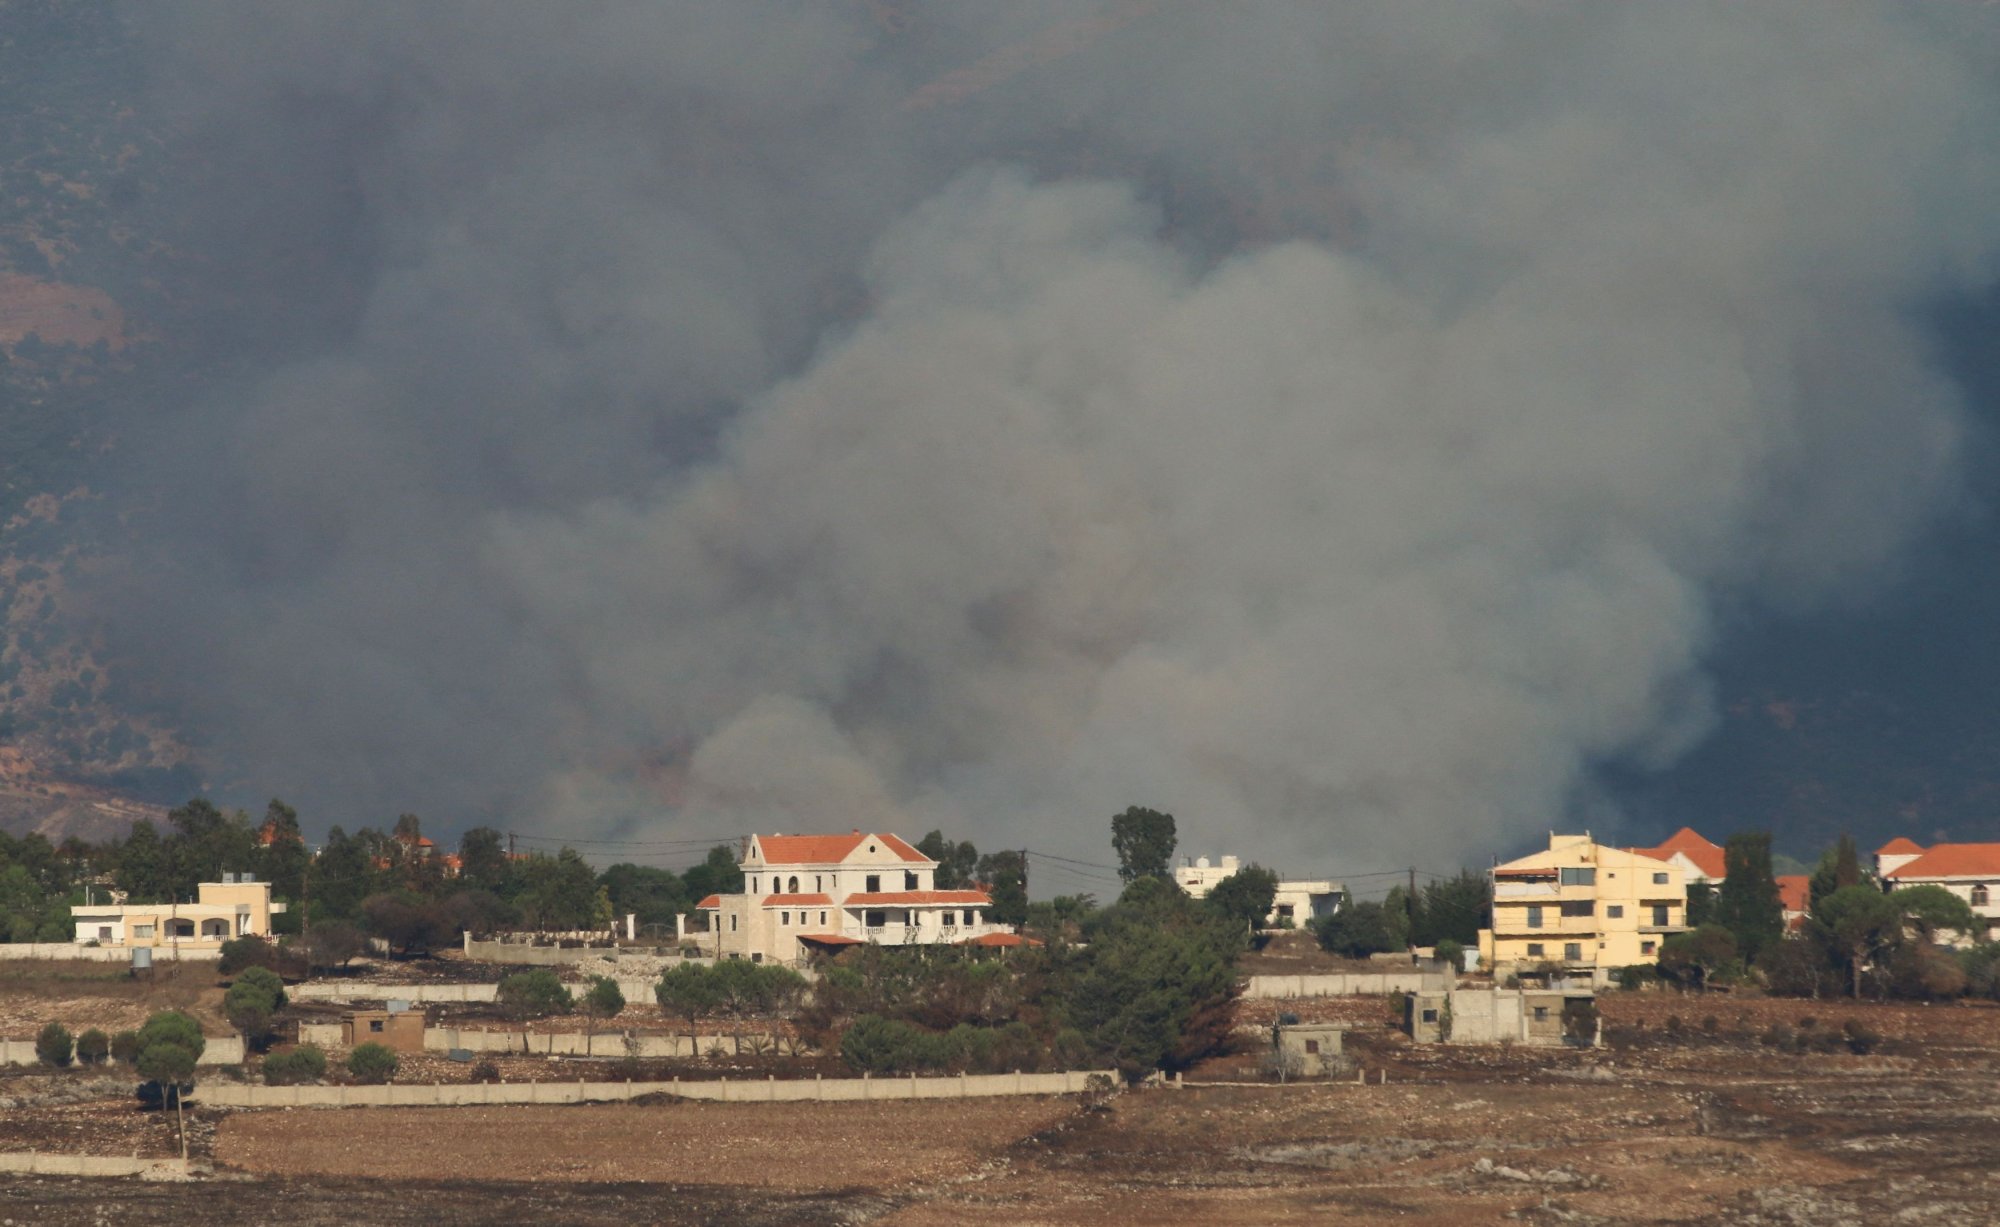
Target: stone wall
[100,954]
[221,1049]
[769,1090]
[1348,984]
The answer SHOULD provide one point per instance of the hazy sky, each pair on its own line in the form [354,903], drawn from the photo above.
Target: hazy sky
[1353,427]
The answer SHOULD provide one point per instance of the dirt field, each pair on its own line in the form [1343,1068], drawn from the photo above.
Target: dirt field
[1738,1122]
[34,993]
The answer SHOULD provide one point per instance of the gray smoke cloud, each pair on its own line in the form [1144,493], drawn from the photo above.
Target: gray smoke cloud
[1344,426]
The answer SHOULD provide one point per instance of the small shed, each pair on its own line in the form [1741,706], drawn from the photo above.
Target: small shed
[1315,1045]
[396,1030]
[1542,1018]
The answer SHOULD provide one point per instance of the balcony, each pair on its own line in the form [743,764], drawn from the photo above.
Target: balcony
[1526,890]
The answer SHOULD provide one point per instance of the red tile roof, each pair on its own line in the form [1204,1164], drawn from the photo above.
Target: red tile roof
[1706,855]
[798,901]
[1952,861]
[1794,891]
[713,901]
[1899,846]
[1002,940]
[897,898]
[830,849]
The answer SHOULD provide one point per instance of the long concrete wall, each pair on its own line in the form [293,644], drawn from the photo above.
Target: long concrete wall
[556,956]
[220,1050]
[1347,984]
[100,954]
[637,992]
[540,1044]
[36,1163]
[770,1090]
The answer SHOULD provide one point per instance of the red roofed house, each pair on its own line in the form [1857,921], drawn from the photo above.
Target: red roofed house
[1700,859]
[804,892]
[1795,896]
[1970,871]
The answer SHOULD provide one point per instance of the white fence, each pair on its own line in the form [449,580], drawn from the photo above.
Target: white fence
[220,1050]
[1347,984]
[770,1090]
[100,954]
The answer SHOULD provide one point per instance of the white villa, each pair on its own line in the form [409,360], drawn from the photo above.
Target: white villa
[1297,903]
[807,892]
[1970,871]
[234,907]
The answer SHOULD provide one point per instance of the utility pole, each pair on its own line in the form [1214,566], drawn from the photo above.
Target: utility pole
[1410,906]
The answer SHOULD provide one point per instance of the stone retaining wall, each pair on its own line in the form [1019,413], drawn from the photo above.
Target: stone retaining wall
[1347,984]
[221,1049]
[964,1086]
[36,1163]
[100,954]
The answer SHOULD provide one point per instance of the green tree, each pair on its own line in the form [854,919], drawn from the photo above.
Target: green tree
[205,844]
[332,943]
[1159,988]
[689,990]
[283,860]
[1701,903]
[718,874]
[1748,904]
[168,1046]
[252,1002]
[958,863]
[653,895]
[533,994]
[560,893]
[1857,923]
[304,1064]
[142,865]
[1144,840]
[1695,956]
[371,1064]
[1006,877]
[54,1046]
[1838,866]
[602,1002]
[1245,896]
[1454,909]
[340,877]
[92,1047]
[482,858]
[1930,910]
[1358,930]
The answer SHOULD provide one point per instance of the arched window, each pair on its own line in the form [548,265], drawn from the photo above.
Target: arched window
[793,884]
[1979,896]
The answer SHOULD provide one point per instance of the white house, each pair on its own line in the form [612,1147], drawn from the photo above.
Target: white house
[234,907]
[1970,871]
[806,892]
[1297,903]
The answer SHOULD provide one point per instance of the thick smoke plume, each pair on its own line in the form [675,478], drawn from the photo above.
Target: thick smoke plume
[1346,426]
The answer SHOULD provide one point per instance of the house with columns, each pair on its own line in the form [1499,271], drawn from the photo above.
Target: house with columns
[806,893]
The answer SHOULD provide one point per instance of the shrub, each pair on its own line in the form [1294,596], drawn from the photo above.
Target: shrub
[1674,1025]
[1861,1039]
[256,996]
[1451,953]
[306,1063]
[371,1064]
[1710,1024]
[54,1045]
[247,951]
[486,1071]
[534,994]
[125,1047]
[92,1047]
[1781,1037]
[168,1046]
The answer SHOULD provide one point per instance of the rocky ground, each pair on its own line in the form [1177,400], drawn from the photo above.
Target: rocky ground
[1754,1118]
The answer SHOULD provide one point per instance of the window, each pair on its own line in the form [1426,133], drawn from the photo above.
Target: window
[142,930]
[1661,913]
[874,882]
[104,933]
[1535,916]
[1312,1047]
[1614,911]
[950,919]
[1581,908]
[785,918]
[753,884]
[732,923]
[1541,1013]
[792,884]
[822,917]
[1579,877]
[1648,947]
[1573,952]
[756,958]
[816,883]
[876,920]
[909,880]
[1430,1016]
[1534,950]
[1979,896]
[375,1024]
[1659,879]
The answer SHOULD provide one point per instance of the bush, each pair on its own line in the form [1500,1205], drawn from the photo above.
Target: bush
[249,950]
[1451,953]
[534,994]
[306,1063]
[169,1045]
[251,1002]
[878,1045]
[1861,1039]
[92,1047]
[371,1064]
[54,1045]
[486,1071]
[125,1047]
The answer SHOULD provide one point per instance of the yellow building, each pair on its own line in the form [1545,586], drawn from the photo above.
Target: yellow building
[222,910]
[1584,906]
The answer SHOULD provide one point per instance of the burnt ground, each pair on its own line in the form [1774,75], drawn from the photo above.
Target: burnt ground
[1741,1121]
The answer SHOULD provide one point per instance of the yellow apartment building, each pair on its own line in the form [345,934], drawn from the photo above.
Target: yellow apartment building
[1582,905]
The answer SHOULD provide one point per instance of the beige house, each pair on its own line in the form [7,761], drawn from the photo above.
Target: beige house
[234,907]
[822,892]
[1540,1018]
[1582,905]
[1296,903]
